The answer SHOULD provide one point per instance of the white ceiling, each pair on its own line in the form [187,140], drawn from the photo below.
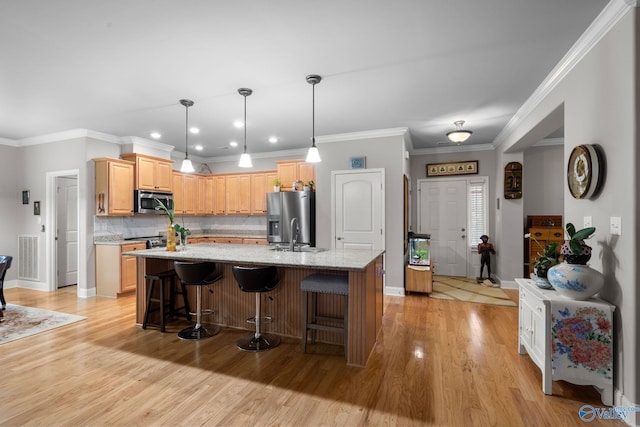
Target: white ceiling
[121,66]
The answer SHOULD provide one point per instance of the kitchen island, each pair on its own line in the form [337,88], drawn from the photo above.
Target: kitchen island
[232,307]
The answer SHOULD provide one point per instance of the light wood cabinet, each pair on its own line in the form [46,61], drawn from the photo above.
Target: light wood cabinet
[246,241]
[543,236]
[419,278]
[185,190]
[238,194]
[205,195]
[294,170]
[151,173]
[114,187]
[219,194]
[261,184]
[235,240]
[116,274]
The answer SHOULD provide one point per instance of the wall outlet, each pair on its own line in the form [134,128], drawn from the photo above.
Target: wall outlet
[587,222]
[615,227]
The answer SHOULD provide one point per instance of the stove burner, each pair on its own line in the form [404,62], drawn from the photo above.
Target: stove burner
[156,242]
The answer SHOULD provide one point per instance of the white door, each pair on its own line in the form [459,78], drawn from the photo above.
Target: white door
[67,230]
[442,213]
[358,200]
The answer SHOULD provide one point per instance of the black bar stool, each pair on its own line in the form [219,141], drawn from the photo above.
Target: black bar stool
[257,280]
[158,284]
[198,274]
[324,284]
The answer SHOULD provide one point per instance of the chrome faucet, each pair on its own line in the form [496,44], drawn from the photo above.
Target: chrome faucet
[294,237]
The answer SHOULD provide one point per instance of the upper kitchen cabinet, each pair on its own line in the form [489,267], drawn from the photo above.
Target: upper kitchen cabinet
[114,187]
[295,170]
[238,194]
[151,173]
[205,195]
[185,192]
[261,184]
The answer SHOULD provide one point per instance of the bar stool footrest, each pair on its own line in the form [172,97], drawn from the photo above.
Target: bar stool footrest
[262,343]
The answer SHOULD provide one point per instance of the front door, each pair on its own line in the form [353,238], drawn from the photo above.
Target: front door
[442,213]
[358,199]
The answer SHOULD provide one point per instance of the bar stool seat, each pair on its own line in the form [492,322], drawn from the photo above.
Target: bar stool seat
[198,274]
[258,280]
[158,285]
[313,285]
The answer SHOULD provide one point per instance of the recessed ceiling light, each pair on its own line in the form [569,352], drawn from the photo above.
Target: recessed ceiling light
[273,139]
[155,135]
[194,130]
[233,144]
[199,147]
[238,123]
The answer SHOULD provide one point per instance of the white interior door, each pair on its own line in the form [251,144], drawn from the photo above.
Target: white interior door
[442,213]
[67,230]
[358,199]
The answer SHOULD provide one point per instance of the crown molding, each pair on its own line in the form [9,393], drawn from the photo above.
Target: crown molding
[604,22]
[454,149]
[67,135]
[9,142]
[136,140]
[549,142]
[352,136]
[301,152]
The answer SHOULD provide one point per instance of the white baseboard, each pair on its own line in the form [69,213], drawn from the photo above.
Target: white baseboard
[36,286]
[508,284]
[392,290]
[87,293]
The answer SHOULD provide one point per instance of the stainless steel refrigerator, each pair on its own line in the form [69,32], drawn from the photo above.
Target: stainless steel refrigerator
[282,208]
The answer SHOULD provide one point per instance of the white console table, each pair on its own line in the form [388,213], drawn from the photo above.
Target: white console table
[569,340]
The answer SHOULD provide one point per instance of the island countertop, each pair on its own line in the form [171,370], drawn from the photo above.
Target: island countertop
[334,259]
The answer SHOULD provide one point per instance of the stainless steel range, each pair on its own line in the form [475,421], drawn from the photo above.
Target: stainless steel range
[151,241]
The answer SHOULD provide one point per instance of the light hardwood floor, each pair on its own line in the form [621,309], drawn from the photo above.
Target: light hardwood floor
[437,363]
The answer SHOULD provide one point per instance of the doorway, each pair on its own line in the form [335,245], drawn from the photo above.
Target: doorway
[66,230]
[65,234]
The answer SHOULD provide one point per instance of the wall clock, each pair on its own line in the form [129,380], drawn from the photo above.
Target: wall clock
[584,171]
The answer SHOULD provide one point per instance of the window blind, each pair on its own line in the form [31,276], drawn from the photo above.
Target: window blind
[477,211]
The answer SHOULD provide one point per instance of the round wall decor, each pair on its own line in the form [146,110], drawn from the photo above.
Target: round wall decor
[584,171]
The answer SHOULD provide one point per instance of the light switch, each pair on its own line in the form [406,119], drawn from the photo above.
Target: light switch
[616,225]
[587,222]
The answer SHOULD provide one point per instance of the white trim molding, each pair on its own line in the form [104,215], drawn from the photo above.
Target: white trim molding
[604,22]
[353,136]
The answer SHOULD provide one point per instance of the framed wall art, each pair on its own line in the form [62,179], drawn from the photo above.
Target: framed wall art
[513,180]
[469,167]
[25,197]
[36,208]
[357,162]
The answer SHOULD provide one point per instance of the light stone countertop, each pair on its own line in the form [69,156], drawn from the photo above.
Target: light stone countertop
[333,259]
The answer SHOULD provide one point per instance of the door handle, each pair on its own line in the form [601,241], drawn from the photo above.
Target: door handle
[339,238]
[463,236]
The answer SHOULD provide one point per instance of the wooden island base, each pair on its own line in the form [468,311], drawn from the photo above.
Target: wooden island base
[233,307]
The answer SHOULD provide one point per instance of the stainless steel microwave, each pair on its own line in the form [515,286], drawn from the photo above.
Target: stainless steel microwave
[145,202]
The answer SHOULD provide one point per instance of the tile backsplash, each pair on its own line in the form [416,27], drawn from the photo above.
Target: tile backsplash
[153,225]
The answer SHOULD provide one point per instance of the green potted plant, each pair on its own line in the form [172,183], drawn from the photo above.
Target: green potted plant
[276,184]
[184,232]
[311,185]
[575,250]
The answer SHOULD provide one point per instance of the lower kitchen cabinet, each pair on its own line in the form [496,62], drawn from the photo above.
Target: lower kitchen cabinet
[116,274]
[567,339]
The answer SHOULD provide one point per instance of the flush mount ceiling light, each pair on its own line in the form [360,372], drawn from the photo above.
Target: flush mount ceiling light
[186,163]
[459,135]
[313,156]
[245,159]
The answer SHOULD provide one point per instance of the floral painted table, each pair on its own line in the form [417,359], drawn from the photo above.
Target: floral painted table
[569,340]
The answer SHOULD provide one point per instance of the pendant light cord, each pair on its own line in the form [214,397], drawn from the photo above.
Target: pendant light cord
[186,155]
[313,115]
[245,123]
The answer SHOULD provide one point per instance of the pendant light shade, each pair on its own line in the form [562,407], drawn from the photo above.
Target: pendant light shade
[313,156]
[245,159]
[187,166]
[459,135]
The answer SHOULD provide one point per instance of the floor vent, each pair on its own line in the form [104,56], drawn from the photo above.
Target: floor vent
[28,261]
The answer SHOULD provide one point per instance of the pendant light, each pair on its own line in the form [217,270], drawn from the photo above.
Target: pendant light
[245,159]
[313,156]
[187,166]
[459,135]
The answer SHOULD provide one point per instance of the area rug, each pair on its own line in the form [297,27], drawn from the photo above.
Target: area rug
[20,322]
[462,289]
